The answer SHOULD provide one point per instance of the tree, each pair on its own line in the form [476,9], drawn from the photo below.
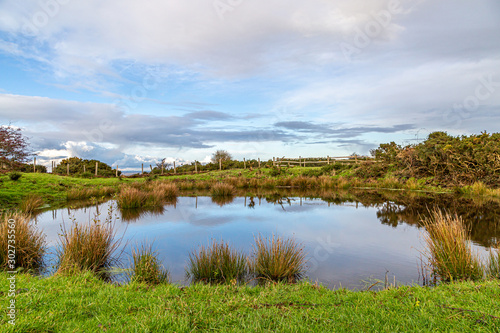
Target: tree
[14,147]
[221,154]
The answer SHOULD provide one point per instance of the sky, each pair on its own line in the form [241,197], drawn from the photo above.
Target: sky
[130,82]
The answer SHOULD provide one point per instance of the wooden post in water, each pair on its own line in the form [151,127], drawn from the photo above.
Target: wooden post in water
[244,164]
[96,166]
[220,164]
[259,162]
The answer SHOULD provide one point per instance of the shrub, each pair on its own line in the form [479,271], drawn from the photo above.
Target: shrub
[146,267]
[276,259]
[14,175]
[448,250]
[30,245]
[217,263]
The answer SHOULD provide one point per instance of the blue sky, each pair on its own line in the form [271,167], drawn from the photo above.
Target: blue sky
[128,82]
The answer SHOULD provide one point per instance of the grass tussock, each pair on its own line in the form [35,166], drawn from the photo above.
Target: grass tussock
[493,267]
[90,192]
[448,250]
[222,190]
[88,247]
[146,267]
[31,203]
[217,263]
[130,197]
[277,259]
[29,247]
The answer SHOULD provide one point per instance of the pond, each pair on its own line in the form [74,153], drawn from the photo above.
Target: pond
[351,240]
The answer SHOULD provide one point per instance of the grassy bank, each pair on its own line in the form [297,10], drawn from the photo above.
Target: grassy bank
[83,303]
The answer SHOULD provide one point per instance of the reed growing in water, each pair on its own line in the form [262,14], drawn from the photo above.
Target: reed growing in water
[277,259]
[29,247]
[217,263]
[448,250]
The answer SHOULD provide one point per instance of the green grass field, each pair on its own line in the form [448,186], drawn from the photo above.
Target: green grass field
[85,304]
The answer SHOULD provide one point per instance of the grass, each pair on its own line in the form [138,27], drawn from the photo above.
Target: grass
[84,303]
[222,190]
[130,197]
[31,203]
[216,263]
[278,259]
[146,267]
[493,266]
[88,247]
[29,243]
[448,249]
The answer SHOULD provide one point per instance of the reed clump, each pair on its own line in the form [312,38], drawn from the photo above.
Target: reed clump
[146,267]
[88,247]
[30,244]
[493,267]
[277,259]
[131,197]
[85,193]
[217,263]
[222,190]
[448,250]
[31,203]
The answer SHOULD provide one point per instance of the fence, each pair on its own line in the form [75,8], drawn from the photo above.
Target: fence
[198,167]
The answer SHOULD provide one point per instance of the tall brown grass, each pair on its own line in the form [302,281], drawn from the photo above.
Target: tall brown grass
[277,259]
[222,190]
[217,263]
[88,247]
[31,203]
[448,250]
[29,247]
[131,197]
[89,192]
[493,267]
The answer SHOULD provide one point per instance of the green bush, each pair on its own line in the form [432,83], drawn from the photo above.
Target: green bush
[14,175]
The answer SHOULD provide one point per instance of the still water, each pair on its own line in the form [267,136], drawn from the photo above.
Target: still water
[350,243]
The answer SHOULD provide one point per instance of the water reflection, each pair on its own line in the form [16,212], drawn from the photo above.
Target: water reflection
[349,236]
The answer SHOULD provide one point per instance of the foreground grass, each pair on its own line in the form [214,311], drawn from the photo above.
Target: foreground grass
[85,304]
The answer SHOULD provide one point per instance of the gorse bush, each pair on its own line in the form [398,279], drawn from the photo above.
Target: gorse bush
[30,245]
[459,160]
[146,267]
[217,263]
[277,259]
[448,250]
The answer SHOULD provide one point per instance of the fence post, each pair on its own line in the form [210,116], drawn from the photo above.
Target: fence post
[244,163]
[96,166]
[195,167]
[142,169]
[220,164]
[116,171]
[356,159]
[34,165]
[259,162]
[274,161]
[84,168]
[162,168]
[328,157]
[300,161]
[151,167]
[174,168]
[67,168]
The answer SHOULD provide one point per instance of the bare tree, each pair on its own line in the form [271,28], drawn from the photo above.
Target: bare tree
[221,154]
